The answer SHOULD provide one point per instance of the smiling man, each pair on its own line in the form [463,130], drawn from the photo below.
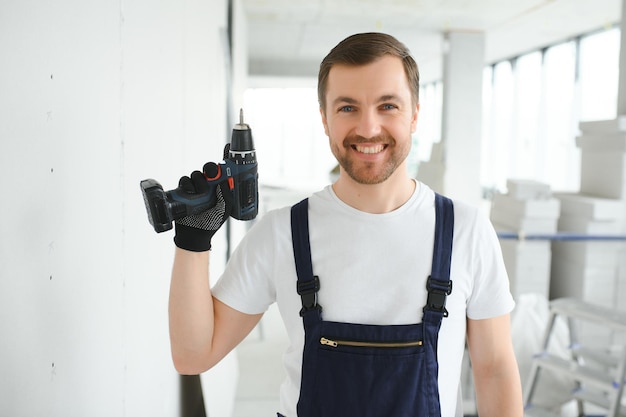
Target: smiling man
[406,277]
[369,120]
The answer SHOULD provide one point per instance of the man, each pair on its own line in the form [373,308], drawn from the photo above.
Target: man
[353,306]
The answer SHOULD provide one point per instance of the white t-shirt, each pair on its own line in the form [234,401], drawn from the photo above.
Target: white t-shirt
[372,270]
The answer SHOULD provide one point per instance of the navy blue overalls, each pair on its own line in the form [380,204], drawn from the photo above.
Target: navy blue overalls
[371,370]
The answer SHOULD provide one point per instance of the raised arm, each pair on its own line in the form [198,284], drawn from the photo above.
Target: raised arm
[202,329]
[496,375]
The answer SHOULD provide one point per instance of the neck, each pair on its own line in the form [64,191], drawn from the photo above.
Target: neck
[375,198]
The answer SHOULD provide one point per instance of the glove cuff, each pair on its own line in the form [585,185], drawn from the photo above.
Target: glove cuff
[192,239]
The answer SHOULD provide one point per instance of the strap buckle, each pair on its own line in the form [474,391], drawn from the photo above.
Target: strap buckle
[308,292]
[438,290]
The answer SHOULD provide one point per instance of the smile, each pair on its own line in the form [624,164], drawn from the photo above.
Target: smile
[371,149]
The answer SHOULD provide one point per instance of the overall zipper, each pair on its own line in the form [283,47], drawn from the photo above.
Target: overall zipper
[336,343]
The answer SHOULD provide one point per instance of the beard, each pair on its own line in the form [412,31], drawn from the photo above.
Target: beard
[371,172]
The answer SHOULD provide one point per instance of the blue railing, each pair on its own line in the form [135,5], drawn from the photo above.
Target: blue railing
[562,236]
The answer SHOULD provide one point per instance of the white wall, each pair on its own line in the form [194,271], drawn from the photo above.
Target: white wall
[94,97]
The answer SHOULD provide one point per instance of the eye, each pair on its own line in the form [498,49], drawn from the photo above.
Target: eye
[346,109]
[389,106]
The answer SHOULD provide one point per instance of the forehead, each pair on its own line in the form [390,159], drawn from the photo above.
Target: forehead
[385,76]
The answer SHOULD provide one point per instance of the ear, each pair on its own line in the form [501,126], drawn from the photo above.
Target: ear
[324,121]
[416,111]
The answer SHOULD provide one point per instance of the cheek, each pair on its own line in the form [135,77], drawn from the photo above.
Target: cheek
[332,128]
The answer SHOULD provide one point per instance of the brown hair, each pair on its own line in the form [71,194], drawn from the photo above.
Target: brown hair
[363,49]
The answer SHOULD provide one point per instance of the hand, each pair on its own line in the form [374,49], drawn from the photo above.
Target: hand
[194,232]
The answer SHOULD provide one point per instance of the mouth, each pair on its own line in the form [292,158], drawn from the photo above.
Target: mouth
[369,149]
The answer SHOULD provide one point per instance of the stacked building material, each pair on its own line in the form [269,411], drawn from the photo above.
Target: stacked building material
[528,209]
[585,266]
[603,158]
[591,268]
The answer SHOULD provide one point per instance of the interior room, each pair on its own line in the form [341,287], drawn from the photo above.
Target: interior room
[522,114]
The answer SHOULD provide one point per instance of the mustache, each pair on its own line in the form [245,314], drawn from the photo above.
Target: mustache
[357,139]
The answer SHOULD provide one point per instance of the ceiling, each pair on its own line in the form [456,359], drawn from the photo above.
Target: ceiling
[290,37]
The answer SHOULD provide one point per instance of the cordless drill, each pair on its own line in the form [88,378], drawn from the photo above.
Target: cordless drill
[239,169]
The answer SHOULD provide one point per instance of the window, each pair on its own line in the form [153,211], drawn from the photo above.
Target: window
[533,104]
[559,160]
[599,75]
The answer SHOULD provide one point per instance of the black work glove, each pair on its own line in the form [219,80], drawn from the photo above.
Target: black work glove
[194,232]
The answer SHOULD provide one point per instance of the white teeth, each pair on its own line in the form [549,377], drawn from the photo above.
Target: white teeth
[370,149]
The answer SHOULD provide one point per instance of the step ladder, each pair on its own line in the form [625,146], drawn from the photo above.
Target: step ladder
[598,374]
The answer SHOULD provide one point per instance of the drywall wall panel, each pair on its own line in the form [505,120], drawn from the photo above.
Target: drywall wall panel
[61,288]
[95,97]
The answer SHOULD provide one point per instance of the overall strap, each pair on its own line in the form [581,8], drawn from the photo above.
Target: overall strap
[308,284]
[439,285]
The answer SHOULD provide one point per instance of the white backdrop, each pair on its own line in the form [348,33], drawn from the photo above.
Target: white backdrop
[94,97]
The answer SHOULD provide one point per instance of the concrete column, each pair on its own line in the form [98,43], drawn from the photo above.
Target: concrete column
[462,115]
[621,92]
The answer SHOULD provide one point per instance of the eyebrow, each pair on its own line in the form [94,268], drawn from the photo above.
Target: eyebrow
[344,99]
[389,97]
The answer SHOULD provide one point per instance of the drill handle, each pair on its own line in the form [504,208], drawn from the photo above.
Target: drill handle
[164,207]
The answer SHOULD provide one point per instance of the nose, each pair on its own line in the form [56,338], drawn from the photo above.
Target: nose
[368,124]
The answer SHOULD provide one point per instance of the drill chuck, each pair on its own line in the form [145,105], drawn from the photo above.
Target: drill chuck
[241,139]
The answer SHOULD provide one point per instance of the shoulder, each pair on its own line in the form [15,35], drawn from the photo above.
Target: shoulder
[471,221]
[269,223]
[464,212]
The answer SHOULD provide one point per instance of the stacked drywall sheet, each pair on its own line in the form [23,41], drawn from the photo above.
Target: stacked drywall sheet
[584,268]
[603,158]
[592,269]
[528,209]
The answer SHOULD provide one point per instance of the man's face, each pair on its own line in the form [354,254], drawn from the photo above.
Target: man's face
[369,118]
